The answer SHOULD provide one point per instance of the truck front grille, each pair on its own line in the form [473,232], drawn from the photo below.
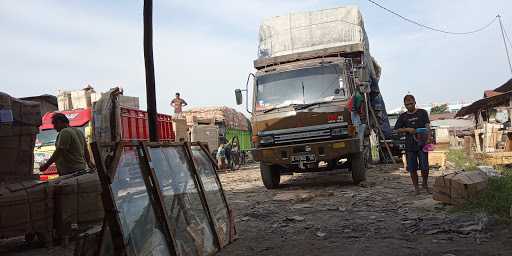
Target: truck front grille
[302,136]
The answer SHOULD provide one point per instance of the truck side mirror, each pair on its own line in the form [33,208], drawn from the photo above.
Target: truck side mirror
[238,95]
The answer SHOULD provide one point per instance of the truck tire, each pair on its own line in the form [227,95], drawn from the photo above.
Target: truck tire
[270,176]
[357,167]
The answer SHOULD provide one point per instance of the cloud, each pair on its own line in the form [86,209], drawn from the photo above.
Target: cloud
[205,49]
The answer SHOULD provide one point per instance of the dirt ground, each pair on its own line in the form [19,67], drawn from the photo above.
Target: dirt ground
[324,214]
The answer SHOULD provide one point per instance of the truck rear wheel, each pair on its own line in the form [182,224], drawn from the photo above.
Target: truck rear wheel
[270,176]
[357,167]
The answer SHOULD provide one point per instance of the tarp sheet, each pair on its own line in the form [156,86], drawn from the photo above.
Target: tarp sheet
[314,30]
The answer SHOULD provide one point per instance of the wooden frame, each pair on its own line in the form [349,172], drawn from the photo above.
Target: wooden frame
[156,198]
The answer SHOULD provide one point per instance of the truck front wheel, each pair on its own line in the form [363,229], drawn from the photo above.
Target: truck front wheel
[357,167]
[270,176]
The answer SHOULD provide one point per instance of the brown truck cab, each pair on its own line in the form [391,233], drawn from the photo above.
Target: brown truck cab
[300,118]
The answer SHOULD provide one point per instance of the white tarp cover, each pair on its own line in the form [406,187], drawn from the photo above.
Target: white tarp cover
[313,30]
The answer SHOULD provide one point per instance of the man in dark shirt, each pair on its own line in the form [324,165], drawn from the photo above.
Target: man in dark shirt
[408,123]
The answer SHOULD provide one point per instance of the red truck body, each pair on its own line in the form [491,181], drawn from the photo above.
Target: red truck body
[134,126]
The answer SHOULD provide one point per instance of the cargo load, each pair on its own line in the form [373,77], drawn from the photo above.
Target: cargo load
[180,129]
[228,116]
[77,201]
[26,208]
[208,134]
[458,187]
[19,112]
[315,30]
[19,121]
[85,98]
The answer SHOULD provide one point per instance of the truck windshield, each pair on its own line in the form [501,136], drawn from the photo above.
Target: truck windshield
[48,137]
[303,86]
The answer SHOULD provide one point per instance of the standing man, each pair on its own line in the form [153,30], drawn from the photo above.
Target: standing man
[71,153]
[178,104]
[417,158]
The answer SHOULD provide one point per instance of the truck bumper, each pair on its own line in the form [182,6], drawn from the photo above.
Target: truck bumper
[307,152]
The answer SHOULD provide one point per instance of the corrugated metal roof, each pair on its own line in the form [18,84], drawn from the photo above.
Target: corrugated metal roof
[490,102]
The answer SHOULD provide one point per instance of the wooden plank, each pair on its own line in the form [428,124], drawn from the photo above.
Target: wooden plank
[340,51]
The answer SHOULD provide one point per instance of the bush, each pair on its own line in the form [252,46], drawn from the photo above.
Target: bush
[496,199]
[461,160]
[439,109]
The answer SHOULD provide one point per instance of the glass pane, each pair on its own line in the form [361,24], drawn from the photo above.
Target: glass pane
[216,203]
[185,211]
[140,228]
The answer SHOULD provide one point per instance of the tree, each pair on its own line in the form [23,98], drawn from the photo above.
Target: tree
[439,109]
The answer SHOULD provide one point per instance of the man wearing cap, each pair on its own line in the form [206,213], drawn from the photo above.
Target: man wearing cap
[71,153]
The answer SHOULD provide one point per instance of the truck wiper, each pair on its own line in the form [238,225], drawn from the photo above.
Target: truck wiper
[270,109]
[304,106]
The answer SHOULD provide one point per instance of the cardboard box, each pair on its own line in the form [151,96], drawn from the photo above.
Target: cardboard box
[458,187]
[81,99]
[78,201]
[20,111]
[64,100]
[208,134]
[26,207]
[180,129]
[17,151]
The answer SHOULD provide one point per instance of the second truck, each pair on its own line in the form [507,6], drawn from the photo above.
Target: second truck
[309,66]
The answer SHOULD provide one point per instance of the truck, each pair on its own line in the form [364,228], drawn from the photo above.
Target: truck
[134,126]
[309,66]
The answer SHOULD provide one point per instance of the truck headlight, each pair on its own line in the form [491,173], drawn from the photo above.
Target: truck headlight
[266,140]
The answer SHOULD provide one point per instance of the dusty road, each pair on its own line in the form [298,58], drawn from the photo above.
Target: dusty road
[324,214]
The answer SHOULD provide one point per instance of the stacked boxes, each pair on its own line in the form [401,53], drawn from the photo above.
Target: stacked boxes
[26,207]
[208,134]
[82,99]
[77,201]
[18,129]
[64,100]
[180,129]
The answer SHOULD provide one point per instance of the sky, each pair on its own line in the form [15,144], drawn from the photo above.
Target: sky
[205,49]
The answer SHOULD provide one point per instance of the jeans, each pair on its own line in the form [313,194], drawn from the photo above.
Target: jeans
[356,121]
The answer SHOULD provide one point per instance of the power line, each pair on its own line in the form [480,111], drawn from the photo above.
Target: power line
[432,28]
[508,39]
[505,42]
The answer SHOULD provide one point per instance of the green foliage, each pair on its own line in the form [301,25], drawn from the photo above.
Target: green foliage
[496,199]
[461,160]
[439,109]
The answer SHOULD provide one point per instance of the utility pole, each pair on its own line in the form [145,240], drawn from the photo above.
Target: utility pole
[150,70]
[505,43]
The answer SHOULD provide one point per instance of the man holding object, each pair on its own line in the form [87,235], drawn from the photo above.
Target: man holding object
[416,124]
[71,152]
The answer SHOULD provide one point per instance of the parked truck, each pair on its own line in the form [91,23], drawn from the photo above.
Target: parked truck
[134,126]
[309,66]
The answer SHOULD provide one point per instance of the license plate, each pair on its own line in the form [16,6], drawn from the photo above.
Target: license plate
[338,145]
[305,158]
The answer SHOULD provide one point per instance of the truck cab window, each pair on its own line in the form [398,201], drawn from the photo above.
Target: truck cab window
[301,86]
